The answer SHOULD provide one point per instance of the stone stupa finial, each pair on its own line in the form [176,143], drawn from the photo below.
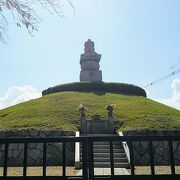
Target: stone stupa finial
[89,46]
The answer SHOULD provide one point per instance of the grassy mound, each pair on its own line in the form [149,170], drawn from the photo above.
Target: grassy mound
[59,111]
[98,87]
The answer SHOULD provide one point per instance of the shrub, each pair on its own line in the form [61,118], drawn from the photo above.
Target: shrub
[98,87]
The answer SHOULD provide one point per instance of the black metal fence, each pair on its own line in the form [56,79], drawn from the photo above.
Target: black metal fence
[88,156]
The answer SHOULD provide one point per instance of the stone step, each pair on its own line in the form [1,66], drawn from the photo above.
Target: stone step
[107,155]
[96,146]
[106,143]
[108,165]
[99,159]
[118,145]
[108,150]
[96,135]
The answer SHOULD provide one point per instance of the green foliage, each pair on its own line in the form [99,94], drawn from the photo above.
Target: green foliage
[98,87]
[60,111]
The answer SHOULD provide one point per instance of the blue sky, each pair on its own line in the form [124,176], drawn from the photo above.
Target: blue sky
[139,41]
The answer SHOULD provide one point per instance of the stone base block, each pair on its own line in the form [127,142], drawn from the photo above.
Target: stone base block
[91,75]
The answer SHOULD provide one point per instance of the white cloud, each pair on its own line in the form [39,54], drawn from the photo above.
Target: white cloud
[147,92]
[16,94]
[174,101]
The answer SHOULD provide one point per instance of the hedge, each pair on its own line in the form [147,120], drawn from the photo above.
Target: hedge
[98,87]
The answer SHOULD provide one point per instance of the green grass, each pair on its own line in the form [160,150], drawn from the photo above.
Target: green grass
[60,111]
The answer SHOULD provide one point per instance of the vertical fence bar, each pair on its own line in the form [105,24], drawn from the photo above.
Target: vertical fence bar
[131,158]
[171,153]
[44,159]
[64,159]
[5,159]
[151,157]
[91,159]
[25,160]
[112,158]
[84,159]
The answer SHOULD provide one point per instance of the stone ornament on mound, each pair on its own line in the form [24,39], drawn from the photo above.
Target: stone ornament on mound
[89,62]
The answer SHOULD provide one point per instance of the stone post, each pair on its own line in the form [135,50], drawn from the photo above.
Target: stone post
[82,110]
[110,108]
[111,123]
[83,125]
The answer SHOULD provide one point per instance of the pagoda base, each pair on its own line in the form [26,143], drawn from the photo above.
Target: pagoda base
[91,75]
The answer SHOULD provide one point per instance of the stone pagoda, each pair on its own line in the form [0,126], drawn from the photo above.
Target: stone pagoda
[89,62]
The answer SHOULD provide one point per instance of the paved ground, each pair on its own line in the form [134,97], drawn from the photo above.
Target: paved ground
[57,171]
[37,171]
[107,171]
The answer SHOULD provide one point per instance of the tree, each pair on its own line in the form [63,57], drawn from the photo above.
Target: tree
[23,13]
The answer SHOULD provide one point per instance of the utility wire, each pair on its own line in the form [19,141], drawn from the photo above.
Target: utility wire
[170,69]
[166,76]
[174,66]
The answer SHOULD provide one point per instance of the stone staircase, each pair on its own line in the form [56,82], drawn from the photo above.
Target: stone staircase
[101,152]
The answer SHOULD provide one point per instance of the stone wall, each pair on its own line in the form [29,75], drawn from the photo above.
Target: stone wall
[35,150]
[160,148]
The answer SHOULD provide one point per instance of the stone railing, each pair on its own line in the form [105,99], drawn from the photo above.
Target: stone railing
[77,152]
[125,147]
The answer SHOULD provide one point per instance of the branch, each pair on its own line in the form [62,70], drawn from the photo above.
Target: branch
[24,14]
